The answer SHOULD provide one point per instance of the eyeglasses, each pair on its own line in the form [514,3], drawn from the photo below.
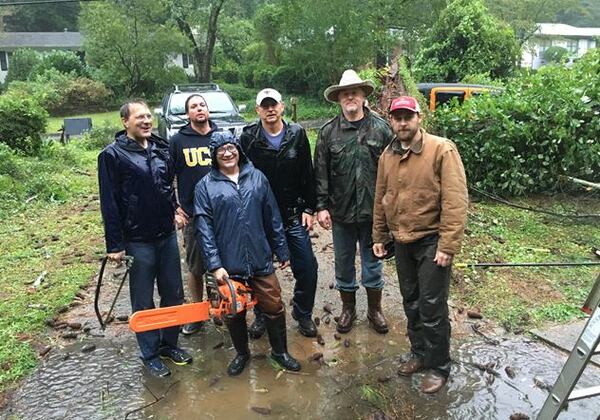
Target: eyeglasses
[229,148]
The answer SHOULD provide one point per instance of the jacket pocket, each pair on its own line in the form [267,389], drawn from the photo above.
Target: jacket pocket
[340,162]
[132,211]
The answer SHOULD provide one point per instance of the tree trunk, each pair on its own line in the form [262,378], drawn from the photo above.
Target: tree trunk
[205,68]
[197,56]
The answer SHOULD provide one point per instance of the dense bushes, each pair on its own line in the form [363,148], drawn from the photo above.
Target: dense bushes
[63,94]
[542,126]
[22,123]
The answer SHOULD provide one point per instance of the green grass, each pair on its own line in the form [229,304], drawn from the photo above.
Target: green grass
[100,118]
[519,298]
[59,233]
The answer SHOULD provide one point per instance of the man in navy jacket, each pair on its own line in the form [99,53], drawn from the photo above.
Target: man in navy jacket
[239,228]
[137,201]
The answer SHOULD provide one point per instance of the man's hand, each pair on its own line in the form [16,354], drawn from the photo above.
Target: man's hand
[379,249]
[324,219]
[180,221]
[181,218]
[284,264]
[308,221]
[442,259]
[116,256]
[220,274]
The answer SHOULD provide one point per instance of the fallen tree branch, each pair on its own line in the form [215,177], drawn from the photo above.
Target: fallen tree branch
[156,399]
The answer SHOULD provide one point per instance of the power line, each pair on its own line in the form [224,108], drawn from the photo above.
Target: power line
[26,3]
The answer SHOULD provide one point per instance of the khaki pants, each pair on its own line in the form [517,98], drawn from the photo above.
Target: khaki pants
[268,294]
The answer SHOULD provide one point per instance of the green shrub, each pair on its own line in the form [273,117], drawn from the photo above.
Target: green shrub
[239,93]
[541,126]
[263,76]
[22,123]
[22,63]
[556,54]
[66,62]
[99,137]
[290,79]
[82,95]
[227,71]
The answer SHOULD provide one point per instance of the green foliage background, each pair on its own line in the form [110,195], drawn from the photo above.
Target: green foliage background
[541,126]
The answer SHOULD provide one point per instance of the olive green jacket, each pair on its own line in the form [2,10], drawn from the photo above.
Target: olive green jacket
[346,166]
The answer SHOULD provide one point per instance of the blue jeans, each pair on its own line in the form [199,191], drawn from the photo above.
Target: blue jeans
[155,260]
[345,237]
[304,266]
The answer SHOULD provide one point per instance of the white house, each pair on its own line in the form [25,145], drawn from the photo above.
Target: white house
[576,40]
[47,41]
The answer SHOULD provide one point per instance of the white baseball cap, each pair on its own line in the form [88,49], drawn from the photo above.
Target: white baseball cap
[268,93]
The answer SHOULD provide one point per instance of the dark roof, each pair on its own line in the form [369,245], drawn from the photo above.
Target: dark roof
[42,40]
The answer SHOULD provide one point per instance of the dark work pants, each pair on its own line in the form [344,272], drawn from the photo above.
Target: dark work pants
[155,260]
[424,286]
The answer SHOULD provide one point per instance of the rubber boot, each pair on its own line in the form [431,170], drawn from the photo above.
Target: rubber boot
[278,339]
[348,315]
[257,329]
[374,315]
[238,330]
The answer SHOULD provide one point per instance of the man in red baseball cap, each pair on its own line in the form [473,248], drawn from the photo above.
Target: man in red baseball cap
[421,203]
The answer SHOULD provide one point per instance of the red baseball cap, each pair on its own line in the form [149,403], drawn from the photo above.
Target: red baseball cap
[405,102]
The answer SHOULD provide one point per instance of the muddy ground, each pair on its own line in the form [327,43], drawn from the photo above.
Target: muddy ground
[94,374]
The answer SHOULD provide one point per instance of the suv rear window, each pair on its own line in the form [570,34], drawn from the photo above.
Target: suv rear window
[445,97]
[218,103]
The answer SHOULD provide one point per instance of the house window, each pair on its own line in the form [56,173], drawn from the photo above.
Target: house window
[186,60]
[3,61]
[572,46]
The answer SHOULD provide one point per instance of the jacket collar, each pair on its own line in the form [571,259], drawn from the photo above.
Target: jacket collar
[345,124]
[133,146]
[414,148]
[245,169]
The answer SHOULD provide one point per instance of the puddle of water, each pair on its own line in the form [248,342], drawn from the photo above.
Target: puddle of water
[110,382]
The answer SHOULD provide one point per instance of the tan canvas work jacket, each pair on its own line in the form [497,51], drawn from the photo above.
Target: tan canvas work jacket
[419,192]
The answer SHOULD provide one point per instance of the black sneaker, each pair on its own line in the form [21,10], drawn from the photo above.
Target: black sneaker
[192,328]
[176,355]
[157,368]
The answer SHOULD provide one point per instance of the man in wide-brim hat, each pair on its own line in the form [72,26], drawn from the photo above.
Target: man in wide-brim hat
[346,155]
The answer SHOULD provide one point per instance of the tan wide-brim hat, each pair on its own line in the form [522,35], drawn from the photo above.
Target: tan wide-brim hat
[349,80]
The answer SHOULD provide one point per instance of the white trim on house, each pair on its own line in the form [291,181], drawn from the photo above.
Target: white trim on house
[576,40]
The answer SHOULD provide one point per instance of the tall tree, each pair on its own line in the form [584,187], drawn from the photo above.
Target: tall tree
[43,18]
[130,44]
[467,41]
[198,20]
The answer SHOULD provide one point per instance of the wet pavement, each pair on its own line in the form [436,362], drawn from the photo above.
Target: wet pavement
[492,378]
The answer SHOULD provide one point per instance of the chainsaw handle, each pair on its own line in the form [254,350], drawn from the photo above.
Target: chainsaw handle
[233,297]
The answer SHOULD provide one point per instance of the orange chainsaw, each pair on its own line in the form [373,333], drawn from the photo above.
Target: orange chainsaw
[224,301]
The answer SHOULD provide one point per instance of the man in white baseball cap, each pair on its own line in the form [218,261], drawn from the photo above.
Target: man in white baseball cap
[282,152]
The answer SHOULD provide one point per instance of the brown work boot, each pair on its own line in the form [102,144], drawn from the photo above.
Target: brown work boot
[412,365]
[374,315]
[348,315]
[432,382]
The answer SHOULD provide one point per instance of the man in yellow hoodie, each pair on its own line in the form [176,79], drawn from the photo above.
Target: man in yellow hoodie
[421,204]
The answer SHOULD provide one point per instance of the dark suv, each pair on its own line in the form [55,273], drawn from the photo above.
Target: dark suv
[171,114]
